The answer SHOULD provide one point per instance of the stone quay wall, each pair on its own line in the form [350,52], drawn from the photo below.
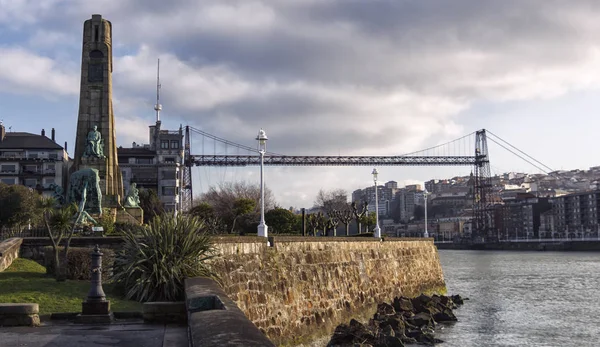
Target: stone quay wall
[299,289]
[9,251]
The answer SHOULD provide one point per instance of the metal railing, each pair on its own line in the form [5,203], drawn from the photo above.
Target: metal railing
[7,233]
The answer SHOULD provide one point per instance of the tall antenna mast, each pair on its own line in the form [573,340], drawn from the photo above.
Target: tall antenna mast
[158,106]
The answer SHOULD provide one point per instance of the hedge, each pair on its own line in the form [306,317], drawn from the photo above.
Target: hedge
[79,262]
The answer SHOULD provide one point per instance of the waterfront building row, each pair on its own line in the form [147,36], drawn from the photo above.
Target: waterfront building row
[38,162]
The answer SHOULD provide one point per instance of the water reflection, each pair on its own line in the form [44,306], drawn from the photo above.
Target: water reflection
[523,298]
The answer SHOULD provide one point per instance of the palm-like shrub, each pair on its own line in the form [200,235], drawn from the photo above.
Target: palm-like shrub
[155,260]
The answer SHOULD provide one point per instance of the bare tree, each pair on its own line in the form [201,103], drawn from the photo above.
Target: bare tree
[359,211]
[322,223]
[344,216]
[332,200]
[225,199]
[332,223]
[312,223]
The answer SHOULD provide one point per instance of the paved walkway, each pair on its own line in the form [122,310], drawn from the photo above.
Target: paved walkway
[65,334]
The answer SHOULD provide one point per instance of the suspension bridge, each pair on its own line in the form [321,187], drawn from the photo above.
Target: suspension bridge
[469,150]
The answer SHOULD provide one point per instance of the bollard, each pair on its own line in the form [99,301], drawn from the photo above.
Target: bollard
[95,309]
[96,292]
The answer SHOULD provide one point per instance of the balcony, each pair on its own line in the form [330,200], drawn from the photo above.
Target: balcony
[137,179]
[29,158]
[25,172]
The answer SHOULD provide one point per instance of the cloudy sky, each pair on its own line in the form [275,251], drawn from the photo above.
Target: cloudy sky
[349,77]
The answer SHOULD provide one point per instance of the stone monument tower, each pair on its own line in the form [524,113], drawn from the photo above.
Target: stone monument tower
[95,143]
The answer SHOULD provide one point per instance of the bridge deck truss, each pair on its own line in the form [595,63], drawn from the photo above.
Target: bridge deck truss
[289,160]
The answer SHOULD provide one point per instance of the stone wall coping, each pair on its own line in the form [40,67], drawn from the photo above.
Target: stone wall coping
[116,240]
[75,241]
[256,239]
[238,239]
[225,325]
[18,309]
[8,245]
[346,239]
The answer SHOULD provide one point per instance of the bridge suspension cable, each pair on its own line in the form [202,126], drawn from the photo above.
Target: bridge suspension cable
[446,144]
[226,142]
[520,151]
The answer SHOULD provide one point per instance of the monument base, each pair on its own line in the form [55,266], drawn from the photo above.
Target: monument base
[95,307]
[94,318]
[131,215]
[109,201]
[95,312]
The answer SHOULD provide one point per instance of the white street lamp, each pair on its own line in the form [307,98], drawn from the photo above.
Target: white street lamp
[425,234]
[377,229]
[262,149]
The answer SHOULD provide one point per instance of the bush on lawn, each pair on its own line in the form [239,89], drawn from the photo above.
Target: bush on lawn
[153,263]
[79,262]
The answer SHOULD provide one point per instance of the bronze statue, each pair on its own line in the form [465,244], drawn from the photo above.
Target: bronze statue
[133,199]
[84,217]
[84,186]
[94,145]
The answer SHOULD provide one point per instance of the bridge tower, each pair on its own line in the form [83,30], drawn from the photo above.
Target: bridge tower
[187,198]
[483,198]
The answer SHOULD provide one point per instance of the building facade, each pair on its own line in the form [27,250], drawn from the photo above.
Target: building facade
[522,217]
[35,161]
[576,215]
[156,166]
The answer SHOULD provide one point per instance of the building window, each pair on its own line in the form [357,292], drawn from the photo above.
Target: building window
[9,168]
[49,181]
[169,175]
[168,191]
[175,144]
[12,154]
[164,144]
[30,168]
[169,159]
[8,180]
[31,182]
[53,156]
[51,167]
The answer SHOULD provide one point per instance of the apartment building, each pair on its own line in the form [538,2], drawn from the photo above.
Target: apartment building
[156,166]
[521,217]
[32,160]
[576,215]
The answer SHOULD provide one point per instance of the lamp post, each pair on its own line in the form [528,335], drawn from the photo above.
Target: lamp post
[425,234]
[377,230]
[262,148]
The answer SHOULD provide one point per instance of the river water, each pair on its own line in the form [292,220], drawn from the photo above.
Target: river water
[523,298]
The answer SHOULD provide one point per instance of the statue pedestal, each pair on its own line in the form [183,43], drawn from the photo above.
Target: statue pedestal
[95,313]
[132,215]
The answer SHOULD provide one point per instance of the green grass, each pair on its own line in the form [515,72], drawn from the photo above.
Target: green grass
[25,281]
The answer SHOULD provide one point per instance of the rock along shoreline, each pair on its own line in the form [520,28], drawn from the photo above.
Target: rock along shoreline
[405,320]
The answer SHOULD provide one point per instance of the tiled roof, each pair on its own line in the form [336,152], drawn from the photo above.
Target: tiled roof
[20,140]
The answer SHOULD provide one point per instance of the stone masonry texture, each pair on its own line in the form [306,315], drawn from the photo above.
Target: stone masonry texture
[9,251]
[302,288]
[95,106]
